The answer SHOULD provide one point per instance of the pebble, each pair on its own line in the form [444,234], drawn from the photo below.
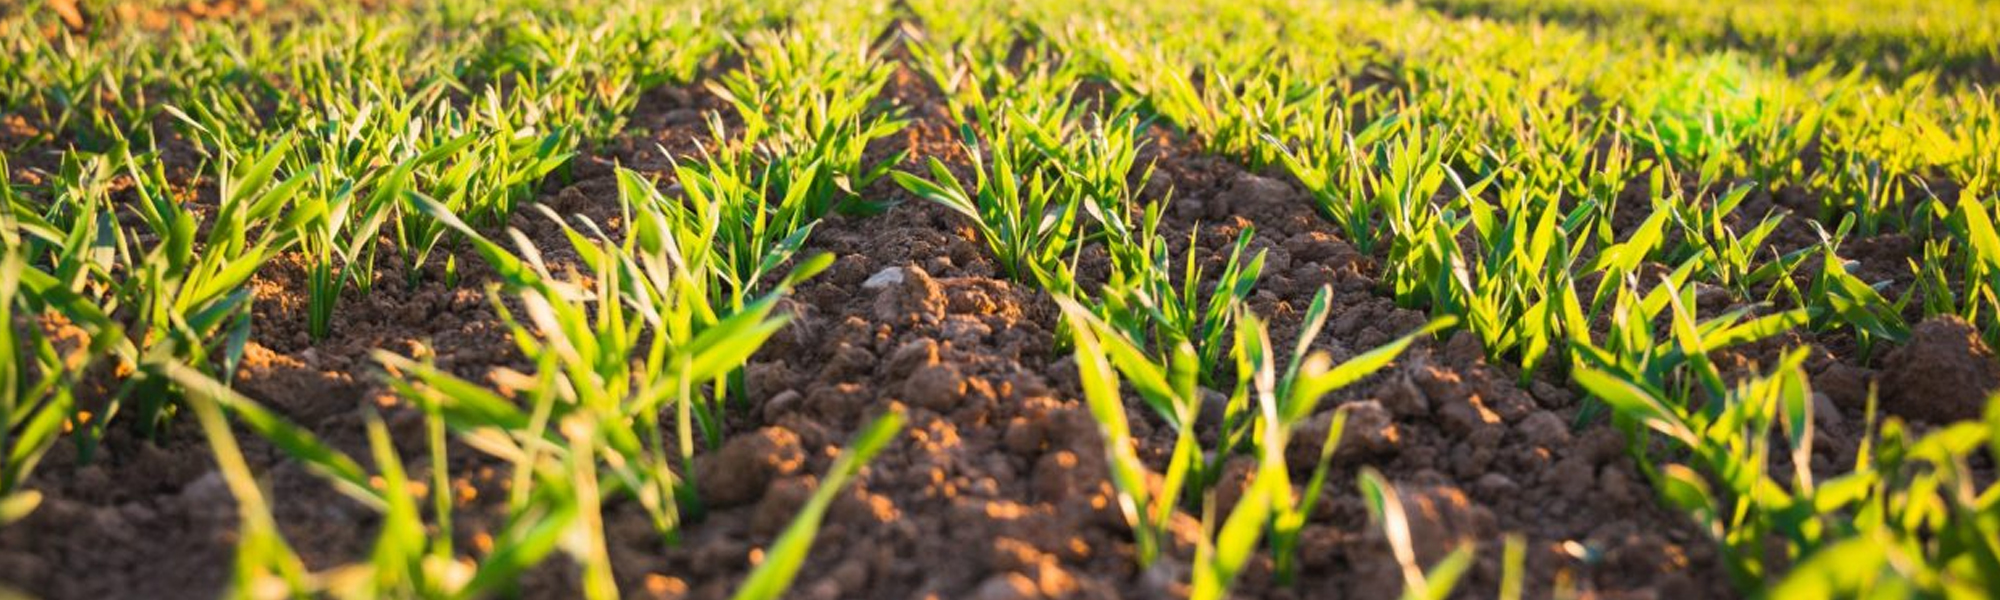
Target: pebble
[883,278]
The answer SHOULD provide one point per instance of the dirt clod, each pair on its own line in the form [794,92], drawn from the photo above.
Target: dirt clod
[1401,395]
[1441,518]
[1007,586]
[740,471]
[1369,430]
[915,353]
[1845,384]
[937,387]
[1943,374]
[1544,429]
[1469,418]
[916,299]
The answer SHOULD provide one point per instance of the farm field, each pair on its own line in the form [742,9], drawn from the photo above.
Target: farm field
[999,299]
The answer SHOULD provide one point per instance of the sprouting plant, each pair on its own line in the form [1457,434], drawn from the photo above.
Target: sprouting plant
[639,337]
[1726,258]
[1294,398]
[362,161]
[979,83]
[1839,298]
[483,179]
[1978,302]
[1729,433]
[1168,387]
[1142,300]
[62,234]
[1324,162]
[1776,158]
[807,95]
[1515,287]
[1858,186]
[40,378]
[1099,159]
[1724,431]
[176,305]
[342,223]
[1920,519]
[1027,219]
[732,229]
[408,559]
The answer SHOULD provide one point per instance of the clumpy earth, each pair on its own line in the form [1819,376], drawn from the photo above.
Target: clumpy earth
[997,488]
[1943,374]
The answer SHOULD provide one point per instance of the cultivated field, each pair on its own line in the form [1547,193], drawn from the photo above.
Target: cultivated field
[999,299]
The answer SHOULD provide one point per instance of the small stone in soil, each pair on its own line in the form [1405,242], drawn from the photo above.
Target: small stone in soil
[883,278]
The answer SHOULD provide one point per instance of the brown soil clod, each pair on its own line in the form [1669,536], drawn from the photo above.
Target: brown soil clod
[1943,374]
[746,464]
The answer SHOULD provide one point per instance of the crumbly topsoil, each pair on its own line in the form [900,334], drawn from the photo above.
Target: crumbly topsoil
[997,488]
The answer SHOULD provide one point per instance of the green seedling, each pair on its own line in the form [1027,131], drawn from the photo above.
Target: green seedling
[1025,218]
